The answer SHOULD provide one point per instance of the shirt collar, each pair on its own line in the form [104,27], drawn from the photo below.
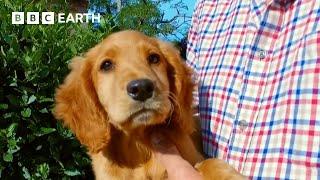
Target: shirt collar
[283,3]
[269,2]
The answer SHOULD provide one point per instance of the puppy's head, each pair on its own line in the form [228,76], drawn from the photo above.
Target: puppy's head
[128,81]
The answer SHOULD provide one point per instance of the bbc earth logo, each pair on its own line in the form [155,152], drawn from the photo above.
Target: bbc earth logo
[52,18]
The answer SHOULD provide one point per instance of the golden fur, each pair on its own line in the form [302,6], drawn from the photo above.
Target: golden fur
[116,129]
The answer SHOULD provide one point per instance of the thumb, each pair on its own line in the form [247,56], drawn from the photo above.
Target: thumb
[167,153]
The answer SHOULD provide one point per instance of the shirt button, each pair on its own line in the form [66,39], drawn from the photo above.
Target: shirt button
[262,54]
[243,124]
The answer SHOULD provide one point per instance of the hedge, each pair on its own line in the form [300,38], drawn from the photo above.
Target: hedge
[34,60]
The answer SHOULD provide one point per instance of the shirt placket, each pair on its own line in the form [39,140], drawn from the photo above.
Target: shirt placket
[253,89]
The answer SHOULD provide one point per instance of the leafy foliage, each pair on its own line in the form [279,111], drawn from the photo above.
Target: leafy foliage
[33,62]
[34,59]
[145,16]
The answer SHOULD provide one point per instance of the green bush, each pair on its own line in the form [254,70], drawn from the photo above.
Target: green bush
[33,61]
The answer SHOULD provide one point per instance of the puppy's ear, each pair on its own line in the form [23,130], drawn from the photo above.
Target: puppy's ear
[78,106]
[181,86]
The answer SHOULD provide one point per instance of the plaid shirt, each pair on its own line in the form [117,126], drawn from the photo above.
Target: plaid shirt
[258,68]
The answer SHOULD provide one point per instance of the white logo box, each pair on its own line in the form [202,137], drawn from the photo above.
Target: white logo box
[49,18]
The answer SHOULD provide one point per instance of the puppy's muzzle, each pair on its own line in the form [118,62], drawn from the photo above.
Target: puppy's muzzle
[140,89]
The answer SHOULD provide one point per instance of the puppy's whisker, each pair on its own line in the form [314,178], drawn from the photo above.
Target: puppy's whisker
[174,99]
[179,110]
[171,112]
[174,102]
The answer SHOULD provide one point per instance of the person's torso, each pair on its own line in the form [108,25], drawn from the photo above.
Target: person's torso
[258,68]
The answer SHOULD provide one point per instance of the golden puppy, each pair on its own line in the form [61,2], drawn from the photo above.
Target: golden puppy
[123,89]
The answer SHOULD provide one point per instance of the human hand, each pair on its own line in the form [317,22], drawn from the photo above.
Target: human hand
[177,168]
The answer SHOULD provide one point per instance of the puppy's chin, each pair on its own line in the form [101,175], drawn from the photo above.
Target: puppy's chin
[142,119]
[148,117]
[141,115]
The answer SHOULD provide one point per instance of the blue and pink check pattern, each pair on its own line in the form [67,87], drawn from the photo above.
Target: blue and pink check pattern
[258,70]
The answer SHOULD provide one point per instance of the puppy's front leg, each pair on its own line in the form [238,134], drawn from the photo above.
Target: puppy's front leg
[212,169]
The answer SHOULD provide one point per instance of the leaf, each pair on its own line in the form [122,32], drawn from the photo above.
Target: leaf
[43,170]
[44,110]
[8,157]
[8,39]
[38,147]
[73,49]
[44,99]
[74,172]
[7,115]
[44,131]
[1,48]
[47,130]
[27,59]
[13,82]
[26,173]
[66,133]
[25,99]
[3,106]
[11,129]
[12,143]
[26,112]
[8,4]
[31,99]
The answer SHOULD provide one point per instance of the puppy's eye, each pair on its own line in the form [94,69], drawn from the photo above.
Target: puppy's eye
[106,65]
[154,58]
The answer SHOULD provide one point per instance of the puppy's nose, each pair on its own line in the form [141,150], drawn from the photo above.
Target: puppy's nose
[140,89]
